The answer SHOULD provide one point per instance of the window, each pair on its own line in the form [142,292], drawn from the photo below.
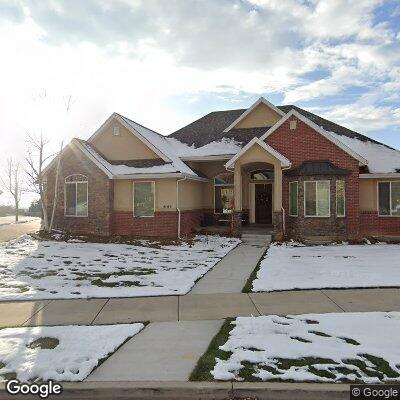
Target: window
[143,199]
[262,175]
[76,196]
[293,198]
[389,198]
[223,193]
[340,199]
[317,199]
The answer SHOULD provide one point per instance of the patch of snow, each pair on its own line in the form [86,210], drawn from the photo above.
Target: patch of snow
[31,269]
[221,147]
[78,352]
[262,341]
[294,266]
[381,159]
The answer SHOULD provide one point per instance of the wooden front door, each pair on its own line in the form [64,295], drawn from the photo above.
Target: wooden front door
[263,203]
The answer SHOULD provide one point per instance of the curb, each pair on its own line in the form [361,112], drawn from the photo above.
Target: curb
[193,391]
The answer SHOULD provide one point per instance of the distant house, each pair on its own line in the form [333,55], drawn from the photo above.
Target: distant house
[276,166]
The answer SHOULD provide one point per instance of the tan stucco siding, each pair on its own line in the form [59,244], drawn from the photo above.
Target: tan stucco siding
[369,193]
[191,195]
[210,170]
[261,116]
[125,146]
[256,154]
[165,194]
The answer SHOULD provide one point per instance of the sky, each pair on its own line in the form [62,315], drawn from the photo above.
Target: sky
[67,65]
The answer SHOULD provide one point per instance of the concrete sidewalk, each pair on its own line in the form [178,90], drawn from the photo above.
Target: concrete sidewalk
[195,307]
[231,273]
[166,350]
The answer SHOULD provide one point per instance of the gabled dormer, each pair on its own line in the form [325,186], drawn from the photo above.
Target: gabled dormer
[262,114]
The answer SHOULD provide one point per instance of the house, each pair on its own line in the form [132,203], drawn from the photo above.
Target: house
[278,166]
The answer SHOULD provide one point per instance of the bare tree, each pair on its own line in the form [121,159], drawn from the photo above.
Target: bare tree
[36,160]
[12,183]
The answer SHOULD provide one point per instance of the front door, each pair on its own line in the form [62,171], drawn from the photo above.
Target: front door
[263,203]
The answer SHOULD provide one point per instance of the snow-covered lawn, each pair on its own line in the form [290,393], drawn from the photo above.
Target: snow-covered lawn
[31,269]
[295,266]
[62,353]
[362,347]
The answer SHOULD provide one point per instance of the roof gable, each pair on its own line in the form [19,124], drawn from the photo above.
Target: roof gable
[319,130]
[145,135]
[283,160]
[263,112]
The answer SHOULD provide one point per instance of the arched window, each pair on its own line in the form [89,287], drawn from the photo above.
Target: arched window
[223,193]
[262,174]
[76,196]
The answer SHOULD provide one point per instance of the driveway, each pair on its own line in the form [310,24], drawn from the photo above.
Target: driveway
[10,230]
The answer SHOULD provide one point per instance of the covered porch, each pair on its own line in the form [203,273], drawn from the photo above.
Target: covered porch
[255,186]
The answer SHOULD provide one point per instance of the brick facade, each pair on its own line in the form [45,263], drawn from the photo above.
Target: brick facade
[162,224]
[332,226]
[100,196]
[371,224]
[305,144]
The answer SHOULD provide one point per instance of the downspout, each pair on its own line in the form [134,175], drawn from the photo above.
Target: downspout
[177,204]
[282,209]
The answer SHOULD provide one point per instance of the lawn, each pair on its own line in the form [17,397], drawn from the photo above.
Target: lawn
[337,347]
[32,269]
[62,353]
[295,266]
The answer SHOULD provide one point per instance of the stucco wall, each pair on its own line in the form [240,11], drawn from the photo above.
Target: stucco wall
[125,146]
[261,116]
[256,154]
[191,195]
[369,193]
[165,192]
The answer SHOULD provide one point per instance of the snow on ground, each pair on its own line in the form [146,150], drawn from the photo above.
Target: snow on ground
[295,266]
[31,269]
[62,353]
[22,219]
[314,347]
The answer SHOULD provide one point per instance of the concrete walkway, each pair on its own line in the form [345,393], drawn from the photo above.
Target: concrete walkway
[231,273]
[195,307]
[166,350]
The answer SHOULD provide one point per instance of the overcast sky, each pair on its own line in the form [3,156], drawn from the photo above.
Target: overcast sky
[166,63]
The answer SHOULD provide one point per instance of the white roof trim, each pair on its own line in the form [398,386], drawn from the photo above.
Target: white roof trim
[92,158]
[284,161]
[215,157]
[317,128]
[394,175]
[251,108]
[161,176]
[115,116]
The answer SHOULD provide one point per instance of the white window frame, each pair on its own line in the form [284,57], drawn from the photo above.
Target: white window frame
[390,199]
[232,185]
[344,200]
[154,199]
[76,196]
[297,198]
[316,199]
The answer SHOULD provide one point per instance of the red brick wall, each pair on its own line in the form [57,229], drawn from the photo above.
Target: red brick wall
[100,196]
[371,224]
[162,224]
[304,144]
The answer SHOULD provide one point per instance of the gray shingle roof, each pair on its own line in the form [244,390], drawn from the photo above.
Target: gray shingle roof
[312,168]
[211,128]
